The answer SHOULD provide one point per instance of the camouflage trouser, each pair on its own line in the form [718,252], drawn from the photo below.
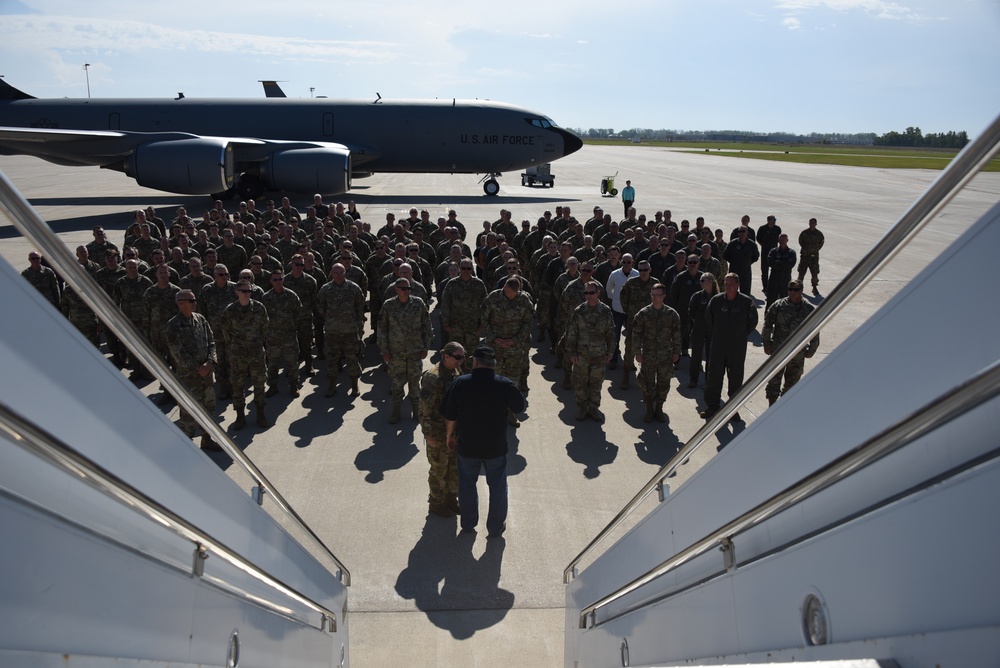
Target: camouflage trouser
[511,361]
[588,375]
[88,327]
[286,347]
[203,390]
[158,342]
[222,355]
[809,261]
[241,365]
[442,479]
[628,361]
[405,370]
[654,376]
[346,345]
[542,309]
[305,337]
[792,373]
[469,340]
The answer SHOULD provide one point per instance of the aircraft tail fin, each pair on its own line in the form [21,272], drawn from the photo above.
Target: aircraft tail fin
[8,92]
[272,89]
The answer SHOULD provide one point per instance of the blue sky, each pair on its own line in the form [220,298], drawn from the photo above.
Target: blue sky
[762,65]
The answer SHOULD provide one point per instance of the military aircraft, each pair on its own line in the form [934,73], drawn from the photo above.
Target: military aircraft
[244,147]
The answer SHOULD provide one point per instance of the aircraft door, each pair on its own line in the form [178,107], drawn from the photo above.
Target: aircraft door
[327,124]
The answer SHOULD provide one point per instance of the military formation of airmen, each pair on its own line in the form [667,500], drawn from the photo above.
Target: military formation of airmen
[230,298]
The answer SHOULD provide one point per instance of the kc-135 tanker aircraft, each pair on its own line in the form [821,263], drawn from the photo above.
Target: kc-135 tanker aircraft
[245,147]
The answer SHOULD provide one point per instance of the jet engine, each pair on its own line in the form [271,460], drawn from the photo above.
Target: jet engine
[322,170]
[191,166]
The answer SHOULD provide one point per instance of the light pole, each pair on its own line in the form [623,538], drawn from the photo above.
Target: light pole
[86,68]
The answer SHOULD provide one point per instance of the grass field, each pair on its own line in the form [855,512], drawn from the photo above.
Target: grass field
[879,157]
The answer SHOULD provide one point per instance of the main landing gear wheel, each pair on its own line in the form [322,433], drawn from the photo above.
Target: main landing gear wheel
[250,187]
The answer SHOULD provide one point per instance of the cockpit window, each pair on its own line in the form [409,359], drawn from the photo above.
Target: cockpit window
[543,123]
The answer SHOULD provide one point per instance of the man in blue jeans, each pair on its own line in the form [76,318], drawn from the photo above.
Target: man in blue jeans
[475,412]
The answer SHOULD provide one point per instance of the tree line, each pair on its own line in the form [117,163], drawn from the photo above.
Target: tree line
[912,136]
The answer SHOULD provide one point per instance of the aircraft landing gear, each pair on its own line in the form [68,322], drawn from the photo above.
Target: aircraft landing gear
[490,185]
[250,187]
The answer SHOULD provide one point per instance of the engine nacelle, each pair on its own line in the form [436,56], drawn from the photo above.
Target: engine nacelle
[196,166]
[326,171]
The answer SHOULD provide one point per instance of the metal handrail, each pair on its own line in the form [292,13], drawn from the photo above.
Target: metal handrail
[35,229]
[965,165]
[981,388]
[50,449]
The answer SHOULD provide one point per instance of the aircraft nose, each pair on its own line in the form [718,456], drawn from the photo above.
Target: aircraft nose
[571,143]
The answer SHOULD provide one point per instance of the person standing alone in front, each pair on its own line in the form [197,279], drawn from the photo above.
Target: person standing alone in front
[475,413]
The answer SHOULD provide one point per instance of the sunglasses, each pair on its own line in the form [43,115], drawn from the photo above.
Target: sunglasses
[405,288]
[590,292]
[457,357]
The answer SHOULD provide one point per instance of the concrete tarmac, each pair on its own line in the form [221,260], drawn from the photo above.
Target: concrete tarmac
[423,594]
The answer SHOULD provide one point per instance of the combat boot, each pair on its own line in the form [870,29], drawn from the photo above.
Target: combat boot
[271,390]
[332,390]
[208,444]
[394,418]
[261,418]
[225,389]
[294,389]
[523,382]
[595,413]
[650,408]
[440,509]
[625,379]
[415,409]
[771,401]
[541,334]
[658,412]
[241,419]
[354,391]
[567,380]
[581,412]
[452,502]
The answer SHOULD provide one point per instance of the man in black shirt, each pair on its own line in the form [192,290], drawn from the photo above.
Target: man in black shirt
[475,412]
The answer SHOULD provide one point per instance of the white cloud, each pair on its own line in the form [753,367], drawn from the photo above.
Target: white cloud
[878,8]
[791,23]
[124,36]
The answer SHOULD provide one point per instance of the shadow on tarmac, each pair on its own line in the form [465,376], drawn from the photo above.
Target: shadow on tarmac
[443,576]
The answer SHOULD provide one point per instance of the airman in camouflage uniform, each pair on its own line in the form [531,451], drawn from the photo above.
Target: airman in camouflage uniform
[634,296]
[590,343]
[461,309]
[341,304]
[656,336]
[78,313]
[443,475]
[780,320]
[107,277]
[128,296]
[810,242]
[570,296]
[506,321]
[305,286]
[42,277]
[244,327]
[192,348]
[284,313]
[404,335]
[212,303]
[159,306]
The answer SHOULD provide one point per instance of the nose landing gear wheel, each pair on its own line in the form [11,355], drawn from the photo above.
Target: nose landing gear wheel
[490,185]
